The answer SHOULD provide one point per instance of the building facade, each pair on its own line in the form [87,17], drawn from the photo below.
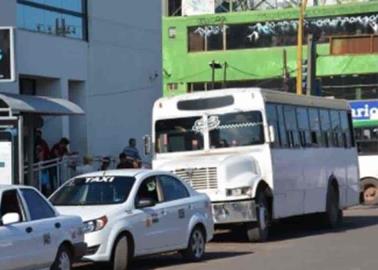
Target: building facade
[102,55]
[241,43]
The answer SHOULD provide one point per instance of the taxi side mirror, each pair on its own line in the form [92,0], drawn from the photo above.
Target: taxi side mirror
[144,203]
[10,218]
[147,145]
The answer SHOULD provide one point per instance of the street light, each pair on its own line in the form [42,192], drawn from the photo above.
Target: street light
[214,65]
[302,9]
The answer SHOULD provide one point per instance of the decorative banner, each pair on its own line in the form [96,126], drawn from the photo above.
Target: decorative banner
[197,7]
[6,163]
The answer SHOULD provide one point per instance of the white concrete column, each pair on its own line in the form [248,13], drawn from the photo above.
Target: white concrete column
[55,127]
[64,93]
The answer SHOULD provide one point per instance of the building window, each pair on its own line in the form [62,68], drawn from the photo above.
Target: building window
[66,18]
[280,33]
[28,86]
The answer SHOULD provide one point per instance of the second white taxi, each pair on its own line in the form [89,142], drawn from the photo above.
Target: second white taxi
[129,213]
[33,235]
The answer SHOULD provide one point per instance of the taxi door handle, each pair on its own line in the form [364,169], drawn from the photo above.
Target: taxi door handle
[58,225]
[163,212]
[29,230]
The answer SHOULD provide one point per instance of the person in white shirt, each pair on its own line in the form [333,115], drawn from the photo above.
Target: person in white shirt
[87,166]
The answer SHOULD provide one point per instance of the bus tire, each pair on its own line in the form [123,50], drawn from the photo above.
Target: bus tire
[333,215]
[259,231]
[369,188]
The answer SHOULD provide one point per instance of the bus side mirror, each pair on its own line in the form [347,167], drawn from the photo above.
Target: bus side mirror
[271,134]
[147,145]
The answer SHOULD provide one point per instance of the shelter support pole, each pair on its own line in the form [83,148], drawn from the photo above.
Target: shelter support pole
[30,150]
[20,133]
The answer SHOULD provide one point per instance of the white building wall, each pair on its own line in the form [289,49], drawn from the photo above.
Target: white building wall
[115,77]
[124,72]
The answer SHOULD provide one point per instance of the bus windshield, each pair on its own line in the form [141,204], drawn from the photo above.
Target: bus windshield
[177,135]
[237,129]
[226,130]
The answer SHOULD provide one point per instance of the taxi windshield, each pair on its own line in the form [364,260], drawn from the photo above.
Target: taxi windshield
[100,190]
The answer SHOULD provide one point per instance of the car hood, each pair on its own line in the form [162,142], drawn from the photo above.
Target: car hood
[87,212]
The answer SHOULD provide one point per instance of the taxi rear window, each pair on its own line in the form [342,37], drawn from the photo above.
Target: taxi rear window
[101,190]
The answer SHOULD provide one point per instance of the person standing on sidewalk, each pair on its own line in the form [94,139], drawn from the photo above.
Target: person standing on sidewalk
[132,152]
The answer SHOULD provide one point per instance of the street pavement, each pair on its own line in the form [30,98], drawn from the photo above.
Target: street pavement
[297,243]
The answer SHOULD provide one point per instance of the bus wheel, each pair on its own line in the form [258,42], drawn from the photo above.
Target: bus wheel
[369,189]
[333,215]
[259,231]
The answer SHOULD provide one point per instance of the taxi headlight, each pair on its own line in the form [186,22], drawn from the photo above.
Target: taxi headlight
[240,191]
[95,225]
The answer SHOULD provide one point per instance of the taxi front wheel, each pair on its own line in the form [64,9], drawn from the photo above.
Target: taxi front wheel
[120,255]
[63,260]
[196,246]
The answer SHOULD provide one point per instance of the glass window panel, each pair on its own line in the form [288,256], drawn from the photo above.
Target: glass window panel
[215,41]
[237,129]
[282,126]
[325,120]
[291,126]
[335,120]
[291,121]
[38,207]
[33,19]
[173,189]
[196,41]
[73,26]
[74,5]
[303,121]
[273,121]
[51,22]
[314,119]
[176,135]
[239,37]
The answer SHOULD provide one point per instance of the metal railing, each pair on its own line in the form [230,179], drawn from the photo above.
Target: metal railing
[52,173]
[55,172]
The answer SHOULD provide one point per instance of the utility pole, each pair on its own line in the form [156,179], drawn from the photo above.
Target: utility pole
[302,9]
[286,74]
[225,66]
[311,62]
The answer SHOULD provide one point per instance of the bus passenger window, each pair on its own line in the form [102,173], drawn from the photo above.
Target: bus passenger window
[315,127]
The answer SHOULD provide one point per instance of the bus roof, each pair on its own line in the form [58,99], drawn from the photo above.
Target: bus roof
[269,96]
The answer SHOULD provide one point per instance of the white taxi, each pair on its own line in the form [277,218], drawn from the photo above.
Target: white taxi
[130,213]
[33,235]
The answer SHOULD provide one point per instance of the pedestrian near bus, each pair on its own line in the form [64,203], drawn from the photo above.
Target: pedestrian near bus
[132,152]
[125,162]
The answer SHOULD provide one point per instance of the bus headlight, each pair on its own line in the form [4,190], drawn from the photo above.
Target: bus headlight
[244,191]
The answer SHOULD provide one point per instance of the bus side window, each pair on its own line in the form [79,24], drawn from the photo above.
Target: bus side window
[347,138]
[315,127]
[273,121]
[291,126]
[325,125]
[304,126]
[282,127]
[336,128]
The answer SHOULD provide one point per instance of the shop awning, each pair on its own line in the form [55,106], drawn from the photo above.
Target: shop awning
[38,105]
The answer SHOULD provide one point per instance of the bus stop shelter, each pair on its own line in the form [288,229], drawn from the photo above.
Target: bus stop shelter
[21,114]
